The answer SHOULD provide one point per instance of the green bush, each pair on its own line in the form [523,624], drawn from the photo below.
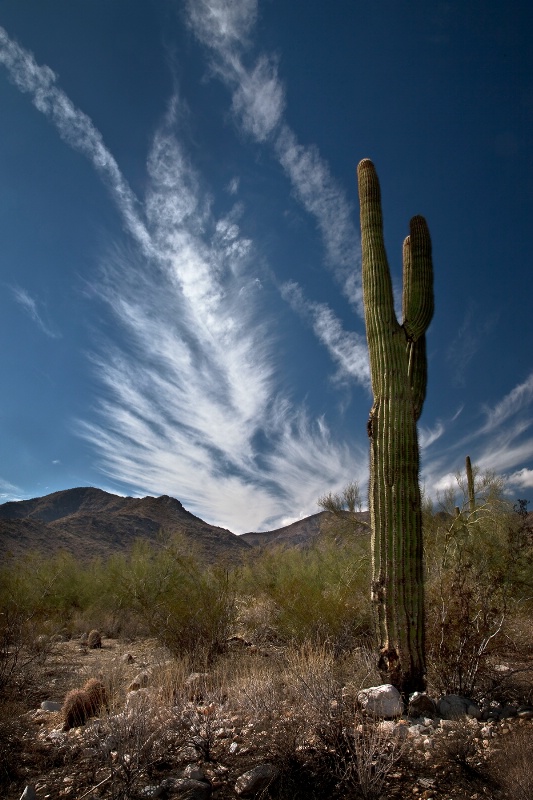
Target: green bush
[188,606]
[475,583]
[319,594]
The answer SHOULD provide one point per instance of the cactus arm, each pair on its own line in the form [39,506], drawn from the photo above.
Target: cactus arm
[418,305]
[418,302]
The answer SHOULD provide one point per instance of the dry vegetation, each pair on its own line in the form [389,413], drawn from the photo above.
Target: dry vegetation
[228,669]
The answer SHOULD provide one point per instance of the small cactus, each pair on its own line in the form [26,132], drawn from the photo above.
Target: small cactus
[94,640]
[470,486]
[80,704]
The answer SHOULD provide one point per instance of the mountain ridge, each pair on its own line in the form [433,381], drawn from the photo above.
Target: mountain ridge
[89,522]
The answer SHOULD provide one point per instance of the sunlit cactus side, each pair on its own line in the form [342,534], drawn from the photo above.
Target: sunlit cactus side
[398,368]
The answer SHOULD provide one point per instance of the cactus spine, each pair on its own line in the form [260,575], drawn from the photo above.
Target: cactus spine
[398,371]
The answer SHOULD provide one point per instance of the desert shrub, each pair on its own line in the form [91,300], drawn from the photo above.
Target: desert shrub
[318,594]
[23,621]
[511,766]
[127,745]
[475,584]
[188,606]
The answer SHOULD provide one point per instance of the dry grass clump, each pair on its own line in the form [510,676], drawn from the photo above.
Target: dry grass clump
[512,765]
[80,704]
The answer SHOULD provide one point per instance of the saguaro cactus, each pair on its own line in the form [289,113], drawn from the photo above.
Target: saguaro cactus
[398,370]
[470,485]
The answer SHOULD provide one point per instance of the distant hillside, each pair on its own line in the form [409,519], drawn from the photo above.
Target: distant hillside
[90,522]
[299,534]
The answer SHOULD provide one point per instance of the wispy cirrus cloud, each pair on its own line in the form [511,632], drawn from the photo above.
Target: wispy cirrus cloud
[517,400]
[467,342]
[346,348]
[74,127]
[498,442]
[9,492]
[222,25]
[30,306]
[258,103]
[191,403]
[426,436]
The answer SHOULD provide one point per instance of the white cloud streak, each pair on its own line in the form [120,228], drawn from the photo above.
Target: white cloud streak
[499,443]
[258,103]
[346,348]
[519,398]
[29,304]
[191,405]
[426,436]
[74,127]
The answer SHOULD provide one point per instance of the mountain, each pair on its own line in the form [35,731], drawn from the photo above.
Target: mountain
[301,533]
[89,522]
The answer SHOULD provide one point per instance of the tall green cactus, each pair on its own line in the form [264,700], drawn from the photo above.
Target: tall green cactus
[470,485]
[398,369]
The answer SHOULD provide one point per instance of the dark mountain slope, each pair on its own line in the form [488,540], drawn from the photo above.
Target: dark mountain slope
[90,522]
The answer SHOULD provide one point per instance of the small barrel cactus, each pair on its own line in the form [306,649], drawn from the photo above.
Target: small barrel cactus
[80,704]
[94,640]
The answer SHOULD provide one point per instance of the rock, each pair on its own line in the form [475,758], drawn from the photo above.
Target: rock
[256,780]
[28,793]
[188,753]
[421,705]
[473,711]
[447,724]
[50,705]
[508,711]
[140,681]
[194,772]
[138,699]
[152,791]
[381,701]
[452,706]
[186,787]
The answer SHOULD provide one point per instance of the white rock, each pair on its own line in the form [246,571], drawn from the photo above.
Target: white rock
[50,705]
[381,701]
[256,780]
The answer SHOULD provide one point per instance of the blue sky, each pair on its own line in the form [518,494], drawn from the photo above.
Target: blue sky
[181,305]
